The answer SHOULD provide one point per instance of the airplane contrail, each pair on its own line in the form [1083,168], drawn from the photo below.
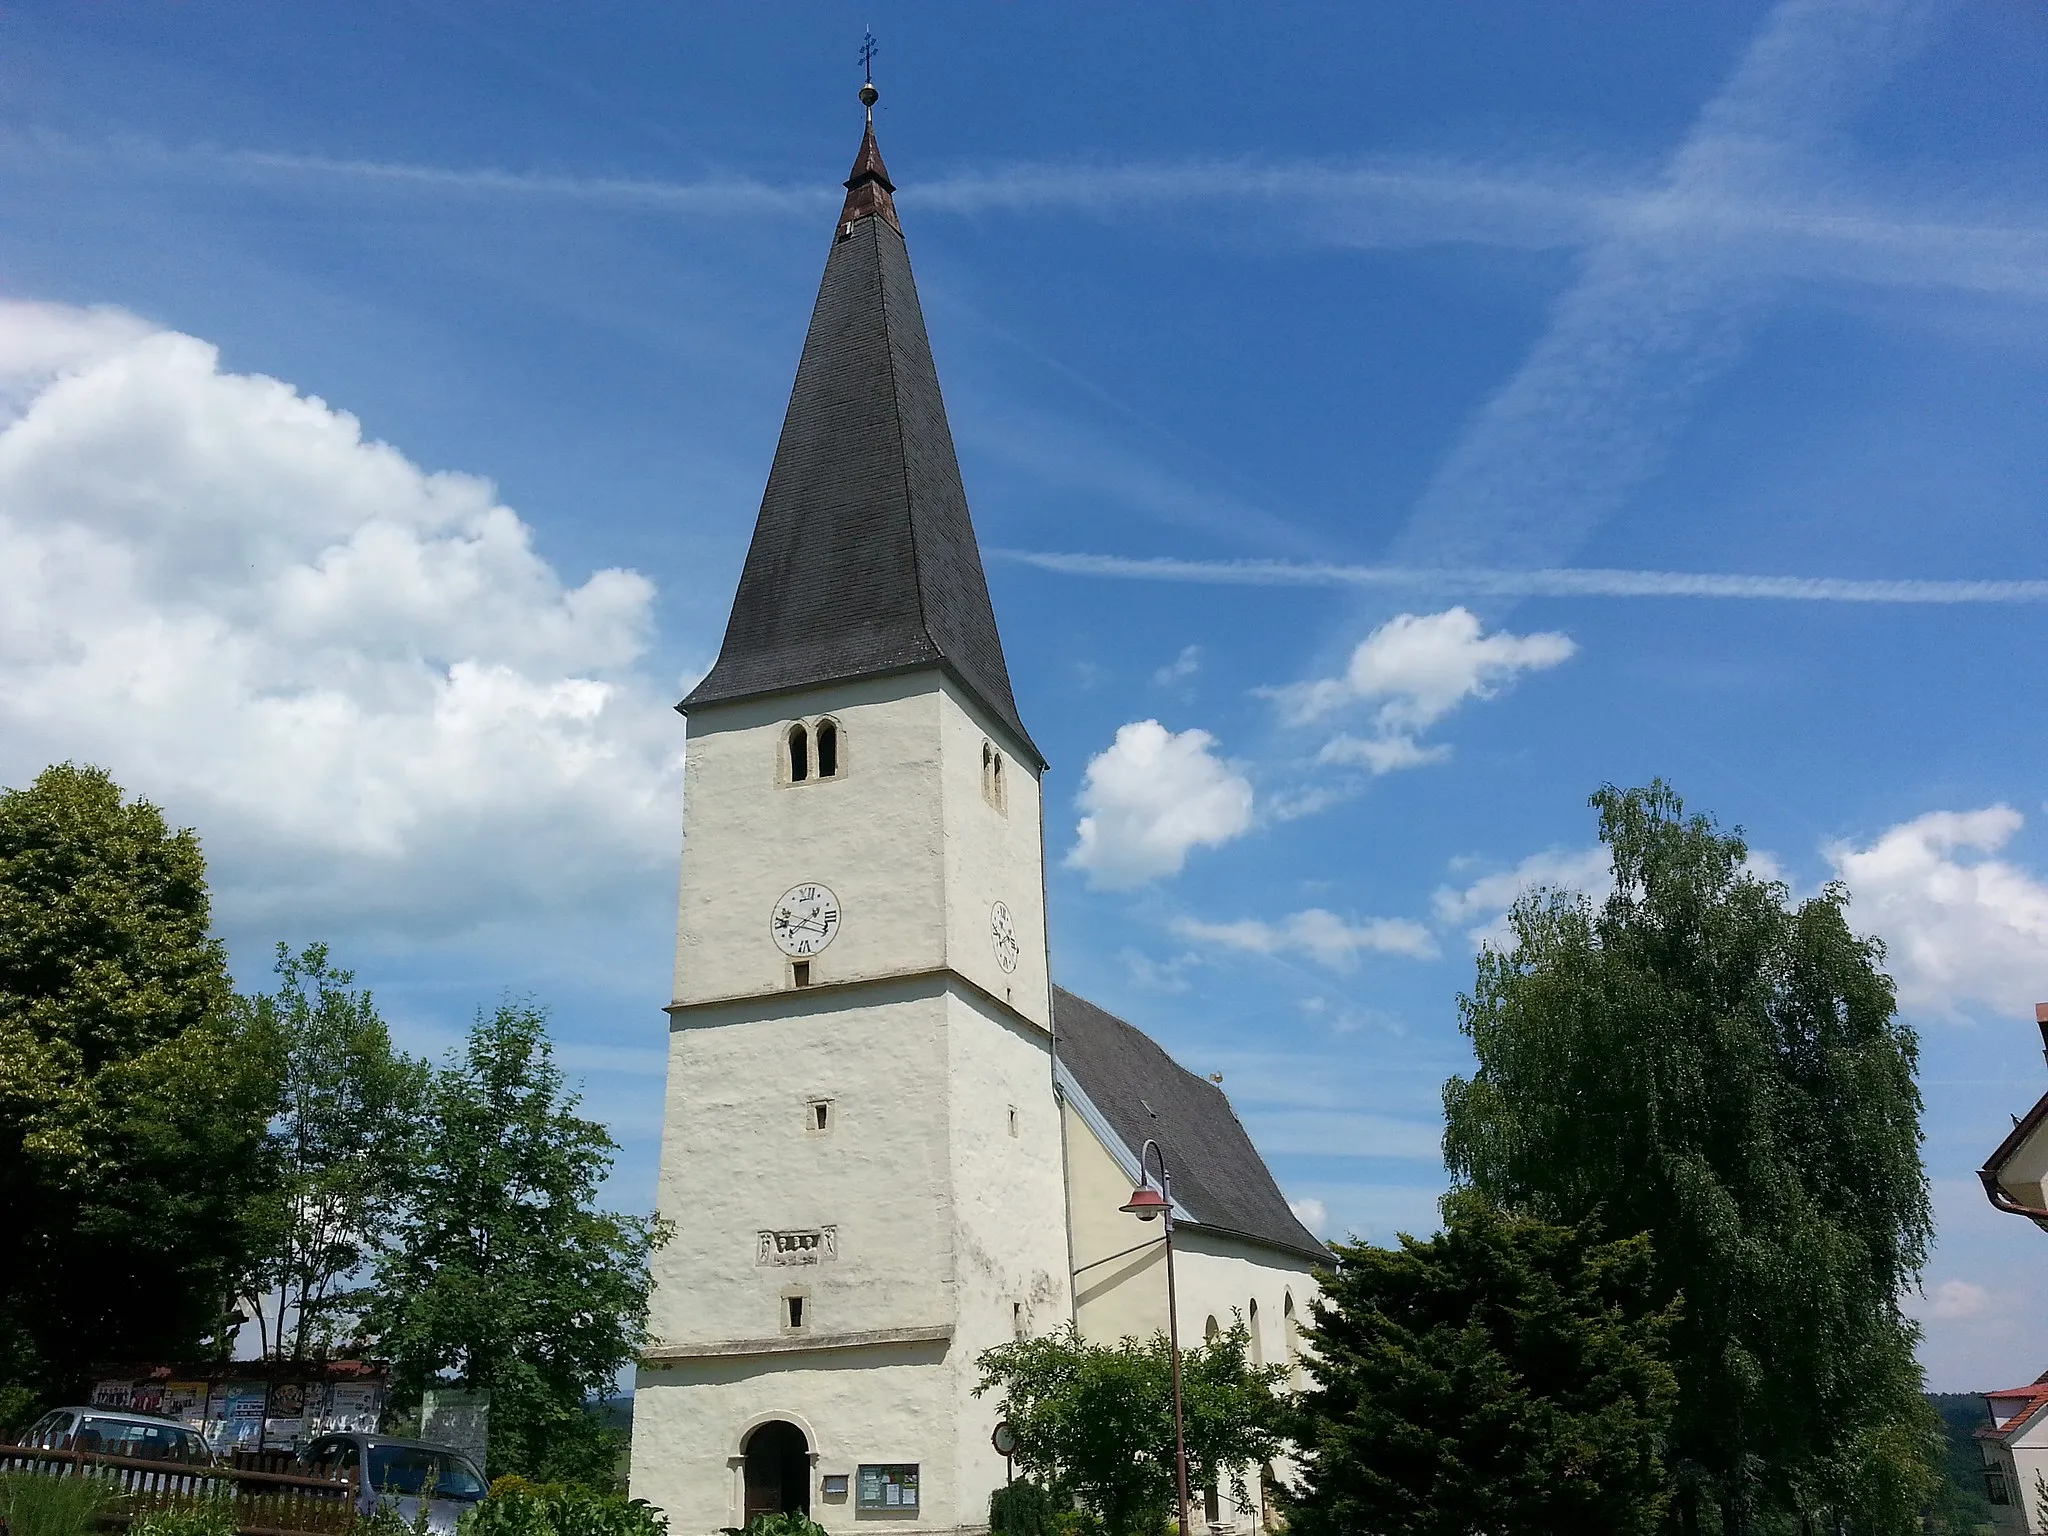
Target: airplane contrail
[1480,581]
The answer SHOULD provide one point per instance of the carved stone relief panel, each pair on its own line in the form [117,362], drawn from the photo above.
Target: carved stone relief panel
[815,1245]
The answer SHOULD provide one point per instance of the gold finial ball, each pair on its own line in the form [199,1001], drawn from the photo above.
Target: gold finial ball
[868,94]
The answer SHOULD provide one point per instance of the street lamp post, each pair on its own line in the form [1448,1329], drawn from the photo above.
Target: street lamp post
[1149,1204]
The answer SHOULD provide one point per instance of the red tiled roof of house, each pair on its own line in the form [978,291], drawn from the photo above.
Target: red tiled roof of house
[2011,1408]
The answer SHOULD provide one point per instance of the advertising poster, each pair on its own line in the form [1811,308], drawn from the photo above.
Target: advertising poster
[285,1423]
[353,1405]
[241,1420]
[111,1394]
[185,1401]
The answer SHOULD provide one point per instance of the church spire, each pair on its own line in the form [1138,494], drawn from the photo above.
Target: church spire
[864,560]
[868,187]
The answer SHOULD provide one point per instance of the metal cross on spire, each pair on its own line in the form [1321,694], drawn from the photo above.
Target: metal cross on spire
[868,50]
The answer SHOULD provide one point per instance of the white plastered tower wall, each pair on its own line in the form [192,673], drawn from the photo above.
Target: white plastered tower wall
[939,1173]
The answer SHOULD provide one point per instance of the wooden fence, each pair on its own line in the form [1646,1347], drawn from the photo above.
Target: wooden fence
[266,1503]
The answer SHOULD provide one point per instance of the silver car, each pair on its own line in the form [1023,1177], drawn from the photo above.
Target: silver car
[407,1474]
[118,1432]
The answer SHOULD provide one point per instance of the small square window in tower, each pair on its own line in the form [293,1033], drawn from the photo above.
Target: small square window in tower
[796,1311]
[818,1116]
[799,973]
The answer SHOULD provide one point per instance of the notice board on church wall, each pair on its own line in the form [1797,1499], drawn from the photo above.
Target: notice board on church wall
[887,1487]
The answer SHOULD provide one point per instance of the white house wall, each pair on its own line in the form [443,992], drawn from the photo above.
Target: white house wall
[2025,1458]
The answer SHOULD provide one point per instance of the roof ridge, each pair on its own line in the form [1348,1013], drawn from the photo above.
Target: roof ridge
[924,621]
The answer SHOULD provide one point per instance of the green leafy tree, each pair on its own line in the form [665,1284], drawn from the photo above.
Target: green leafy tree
[348,1106]
[1504,1376]
[1703,1060]
[1094,1422]
[134,1090]
[501,1274]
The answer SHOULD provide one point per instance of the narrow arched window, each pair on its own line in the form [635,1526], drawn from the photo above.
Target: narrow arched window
[1252,1325]
[799,753]
[828,749]
[992,775]
[1288,1326]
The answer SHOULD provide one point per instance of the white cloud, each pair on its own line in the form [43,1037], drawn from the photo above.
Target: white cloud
[356,678]
[1311,1213]
[1958,930]
[1951,1301]
[1417,668]
[1321,935]
[1582,869]
[1382,754]
[1151,797]
[1182,667]
[1156,975]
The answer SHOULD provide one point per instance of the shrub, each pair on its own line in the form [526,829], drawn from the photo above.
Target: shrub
[36,1504]
[385,1520]
[779,1525]
[209,1517]
[516,1507]
[1022,1508]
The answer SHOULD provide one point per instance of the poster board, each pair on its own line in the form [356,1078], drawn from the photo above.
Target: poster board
[185,1401]
[887,1487]
[460,1419]
[353,1405]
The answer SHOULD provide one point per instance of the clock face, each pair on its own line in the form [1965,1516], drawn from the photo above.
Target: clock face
[1002,933]
[805,920]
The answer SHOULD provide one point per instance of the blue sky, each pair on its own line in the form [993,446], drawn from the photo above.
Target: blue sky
[1287,350]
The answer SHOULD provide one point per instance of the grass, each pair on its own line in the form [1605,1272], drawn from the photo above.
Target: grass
[34,1504]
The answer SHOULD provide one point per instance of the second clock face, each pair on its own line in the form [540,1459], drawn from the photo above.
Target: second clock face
[1002,933]
[805,920]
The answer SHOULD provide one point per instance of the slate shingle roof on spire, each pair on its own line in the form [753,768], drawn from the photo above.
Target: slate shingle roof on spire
[864,560]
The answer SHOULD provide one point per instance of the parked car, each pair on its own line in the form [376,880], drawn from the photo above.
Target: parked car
[118,1432]
[404,1473]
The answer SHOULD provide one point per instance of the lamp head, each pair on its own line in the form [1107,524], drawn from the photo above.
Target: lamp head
[1146,1203]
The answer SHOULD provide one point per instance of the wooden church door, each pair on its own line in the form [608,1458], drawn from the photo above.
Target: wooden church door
[778,1471]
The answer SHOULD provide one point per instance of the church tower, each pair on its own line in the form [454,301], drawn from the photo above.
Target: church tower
[861,1147]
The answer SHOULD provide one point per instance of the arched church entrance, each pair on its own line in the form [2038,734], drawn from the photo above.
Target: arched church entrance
[778,1470]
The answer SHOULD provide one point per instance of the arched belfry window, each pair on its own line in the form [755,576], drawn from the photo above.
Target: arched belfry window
[992,776]
[813,751]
